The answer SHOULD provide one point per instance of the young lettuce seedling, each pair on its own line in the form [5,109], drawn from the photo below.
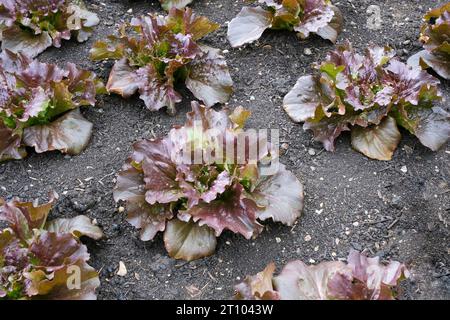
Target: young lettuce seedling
[42,259]
[171,185]
[435,34]
[39,106]
[369,95]
[361,278]
[156,53]
[31,26]
[302,16]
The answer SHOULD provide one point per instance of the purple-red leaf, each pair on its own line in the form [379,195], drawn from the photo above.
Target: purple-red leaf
[156,93]
[281,196]
[233,212]
[17,40]
[258,287]
[23,217]
[69,134]
[249,25]
[78,226]
[143,216]
[302,101]
[123,79]
[188,240]
[377,142]
[209,78]
[298,281]
[10,146]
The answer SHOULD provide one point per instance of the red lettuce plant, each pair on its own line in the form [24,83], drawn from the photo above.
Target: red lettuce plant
[197,181]
[44,260]
[32,26]
[178,4]
[39,106]
[155,53]
[361,278]
[435,34]
[369,95]
[302,16]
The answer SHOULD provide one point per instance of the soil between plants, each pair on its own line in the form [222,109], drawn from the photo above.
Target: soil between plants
[351,201]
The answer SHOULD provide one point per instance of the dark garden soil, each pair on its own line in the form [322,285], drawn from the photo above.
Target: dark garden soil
[351,201]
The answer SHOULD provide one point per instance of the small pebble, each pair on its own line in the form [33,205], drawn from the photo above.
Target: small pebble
[307,52]
[122,272]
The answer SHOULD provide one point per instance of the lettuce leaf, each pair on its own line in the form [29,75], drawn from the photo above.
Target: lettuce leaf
[258,287]
[188,240]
